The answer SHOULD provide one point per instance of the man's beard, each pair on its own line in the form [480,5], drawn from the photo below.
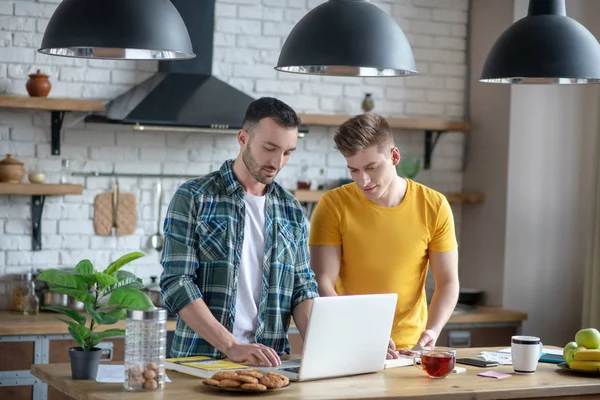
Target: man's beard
[254,168]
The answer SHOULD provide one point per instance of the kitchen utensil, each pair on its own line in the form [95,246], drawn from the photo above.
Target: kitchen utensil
[103,214]
[157,240]
[115,200]
[153,291]
[75,304]
[54,299]
[470,297]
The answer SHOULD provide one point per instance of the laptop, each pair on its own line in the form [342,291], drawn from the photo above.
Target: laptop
[346,335]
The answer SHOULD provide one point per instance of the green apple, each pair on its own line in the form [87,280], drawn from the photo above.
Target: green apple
[588,338]
[568,352]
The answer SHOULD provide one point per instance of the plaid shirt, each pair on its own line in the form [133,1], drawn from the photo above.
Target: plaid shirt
[204,231]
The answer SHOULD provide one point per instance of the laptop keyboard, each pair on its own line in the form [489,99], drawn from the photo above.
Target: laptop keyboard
[295,370]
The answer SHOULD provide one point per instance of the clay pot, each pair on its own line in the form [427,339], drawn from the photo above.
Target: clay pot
[368,104]
[38,85]
[11,170]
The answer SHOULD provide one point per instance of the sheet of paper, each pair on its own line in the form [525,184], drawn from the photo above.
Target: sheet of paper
[494,375]
[497,356]
[403,361]
[109,373]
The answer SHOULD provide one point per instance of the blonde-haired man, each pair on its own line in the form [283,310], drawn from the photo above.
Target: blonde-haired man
[380,233]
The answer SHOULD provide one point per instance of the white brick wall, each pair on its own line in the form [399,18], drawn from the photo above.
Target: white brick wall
[249,34]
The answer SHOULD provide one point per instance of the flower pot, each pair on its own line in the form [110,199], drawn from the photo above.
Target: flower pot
[84,364]
[38,85]
[11,170]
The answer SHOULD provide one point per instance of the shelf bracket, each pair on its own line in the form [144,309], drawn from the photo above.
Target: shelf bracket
[431,139]
[37,206]
[57,121]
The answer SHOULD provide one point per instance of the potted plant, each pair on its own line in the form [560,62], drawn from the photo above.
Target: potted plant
[107,295]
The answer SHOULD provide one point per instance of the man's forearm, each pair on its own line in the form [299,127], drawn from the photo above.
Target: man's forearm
[301,313]
[442,305]
[198,317]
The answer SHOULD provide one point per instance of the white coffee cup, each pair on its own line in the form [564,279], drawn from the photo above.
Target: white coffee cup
[526,351]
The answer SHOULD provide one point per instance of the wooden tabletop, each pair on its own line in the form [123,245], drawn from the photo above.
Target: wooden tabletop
[549,382]
[45,323]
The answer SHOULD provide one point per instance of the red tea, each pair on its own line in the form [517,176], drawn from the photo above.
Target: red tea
[438,365]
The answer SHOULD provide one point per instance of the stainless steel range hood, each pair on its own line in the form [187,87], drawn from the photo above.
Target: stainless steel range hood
[183,94]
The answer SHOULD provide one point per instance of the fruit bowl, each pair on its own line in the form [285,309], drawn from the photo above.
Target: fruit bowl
[565,367]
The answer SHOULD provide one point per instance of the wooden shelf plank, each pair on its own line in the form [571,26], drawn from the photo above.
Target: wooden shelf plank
[313,196]
[39,189]
[398,123]
[51,104]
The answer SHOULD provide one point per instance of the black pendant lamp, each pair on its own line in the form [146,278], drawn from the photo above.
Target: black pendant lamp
[546,47]
[117,29]
[347,38]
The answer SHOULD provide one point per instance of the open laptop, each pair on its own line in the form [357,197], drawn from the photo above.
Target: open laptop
[346,335]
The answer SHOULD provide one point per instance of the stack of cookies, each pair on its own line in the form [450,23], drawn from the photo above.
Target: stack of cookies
[248,379]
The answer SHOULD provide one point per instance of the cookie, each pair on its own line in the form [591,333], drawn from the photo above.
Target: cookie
[253,386]
[245,379]
[224,375]
[211,382]
[251,372]
[285,379]
[229,383]
[271,381]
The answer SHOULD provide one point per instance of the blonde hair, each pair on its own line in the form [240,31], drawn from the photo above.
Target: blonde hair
[363,131]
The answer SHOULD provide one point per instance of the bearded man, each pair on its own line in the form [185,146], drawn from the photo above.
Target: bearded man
[235,258]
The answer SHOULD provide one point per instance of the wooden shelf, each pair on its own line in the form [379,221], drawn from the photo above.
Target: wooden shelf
[39,189]
[313,196]
[38,193]
[52,104]
[57,108]
[398,123]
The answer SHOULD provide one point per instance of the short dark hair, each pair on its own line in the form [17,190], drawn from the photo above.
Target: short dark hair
[362,131]
[269,107]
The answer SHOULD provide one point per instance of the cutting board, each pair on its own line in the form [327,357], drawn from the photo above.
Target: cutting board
[103,214]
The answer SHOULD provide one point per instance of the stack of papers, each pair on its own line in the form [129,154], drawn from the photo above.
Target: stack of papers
[503,356]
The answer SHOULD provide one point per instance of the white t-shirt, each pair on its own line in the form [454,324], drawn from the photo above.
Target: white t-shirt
[251,270]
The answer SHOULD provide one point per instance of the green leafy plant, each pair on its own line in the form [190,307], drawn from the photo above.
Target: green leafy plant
[107,295]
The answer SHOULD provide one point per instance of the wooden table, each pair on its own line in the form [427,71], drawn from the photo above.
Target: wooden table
[407,382]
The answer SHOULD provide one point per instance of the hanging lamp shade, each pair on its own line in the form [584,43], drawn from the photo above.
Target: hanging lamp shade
[117,29]
[347,38]
[545,47]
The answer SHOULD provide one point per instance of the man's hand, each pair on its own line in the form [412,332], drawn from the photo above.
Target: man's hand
[255,354]
[427,339]
[391,351]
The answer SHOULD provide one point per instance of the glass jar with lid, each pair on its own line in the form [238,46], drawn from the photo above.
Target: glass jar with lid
[145,349]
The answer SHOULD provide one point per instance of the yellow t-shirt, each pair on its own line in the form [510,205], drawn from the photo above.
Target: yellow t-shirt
[385,249]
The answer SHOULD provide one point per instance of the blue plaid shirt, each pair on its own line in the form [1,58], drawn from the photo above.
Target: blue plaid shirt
[204,231]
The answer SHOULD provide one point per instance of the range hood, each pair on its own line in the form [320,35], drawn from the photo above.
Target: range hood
[183,94]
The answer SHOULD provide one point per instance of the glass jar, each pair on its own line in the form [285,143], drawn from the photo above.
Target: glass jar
[20,288]
[31,303]
[65,171]
[145,349]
